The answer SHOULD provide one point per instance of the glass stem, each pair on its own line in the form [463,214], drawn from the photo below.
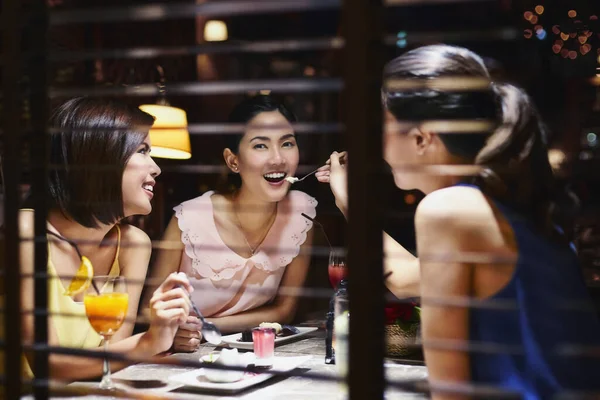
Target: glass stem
[106,382]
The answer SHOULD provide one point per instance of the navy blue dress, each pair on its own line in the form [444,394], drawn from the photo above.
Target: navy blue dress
[535,336]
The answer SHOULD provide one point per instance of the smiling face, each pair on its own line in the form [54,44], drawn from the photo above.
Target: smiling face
[267,154]
[138,181]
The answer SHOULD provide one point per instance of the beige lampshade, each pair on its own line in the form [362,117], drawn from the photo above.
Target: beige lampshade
[169,135]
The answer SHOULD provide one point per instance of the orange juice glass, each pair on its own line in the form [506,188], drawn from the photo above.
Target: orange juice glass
[106,312]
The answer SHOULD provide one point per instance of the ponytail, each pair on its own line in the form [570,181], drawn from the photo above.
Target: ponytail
[513,154]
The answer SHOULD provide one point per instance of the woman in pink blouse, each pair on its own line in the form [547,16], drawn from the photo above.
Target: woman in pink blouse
[238,249]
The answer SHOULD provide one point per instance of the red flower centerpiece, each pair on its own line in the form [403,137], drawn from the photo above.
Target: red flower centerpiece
[402,321]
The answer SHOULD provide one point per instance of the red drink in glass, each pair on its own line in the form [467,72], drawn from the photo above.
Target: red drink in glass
[337,267]
[264,345]
[337,272]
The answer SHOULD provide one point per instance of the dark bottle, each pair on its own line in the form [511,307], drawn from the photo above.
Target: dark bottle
[342,291]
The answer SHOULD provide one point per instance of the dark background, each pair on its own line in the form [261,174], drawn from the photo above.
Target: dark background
[559,79]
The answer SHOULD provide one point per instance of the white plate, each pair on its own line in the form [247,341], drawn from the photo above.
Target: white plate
[196,378]
[232,340]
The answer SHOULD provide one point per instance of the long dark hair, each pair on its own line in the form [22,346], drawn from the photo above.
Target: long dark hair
[513,152]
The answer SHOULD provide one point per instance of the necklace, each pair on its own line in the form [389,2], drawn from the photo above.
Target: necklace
[241,228]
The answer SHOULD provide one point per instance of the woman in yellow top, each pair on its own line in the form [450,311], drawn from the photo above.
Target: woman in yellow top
[102,172]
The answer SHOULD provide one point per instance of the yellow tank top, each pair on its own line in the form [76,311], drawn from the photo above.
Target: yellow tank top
[72,328]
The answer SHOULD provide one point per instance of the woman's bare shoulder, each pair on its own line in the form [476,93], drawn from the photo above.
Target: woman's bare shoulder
[461,211]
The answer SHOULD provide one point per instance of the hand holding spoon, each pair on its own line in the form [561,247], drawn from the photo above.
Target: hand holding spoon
[210,332]
[293,179]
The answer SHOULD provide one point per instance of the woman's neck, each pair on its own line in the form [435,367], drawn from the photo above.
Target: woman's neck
[456,168]
[252,213]
[438,182]
[88,239]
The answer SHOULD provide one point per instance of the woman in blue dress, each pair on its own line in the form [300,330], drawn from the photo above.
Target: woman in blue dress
[487,231]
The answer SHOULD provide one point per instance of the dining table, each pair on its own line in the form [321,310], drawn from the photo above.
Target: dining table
[158,381]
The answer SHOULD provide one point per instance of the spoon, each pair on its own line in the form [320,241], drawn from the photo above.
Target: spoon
[293,179]
[210,332]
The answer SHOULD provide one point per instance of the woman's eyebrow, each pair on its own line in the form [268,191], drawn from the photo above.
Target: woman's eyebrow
[265,138]
[288,136]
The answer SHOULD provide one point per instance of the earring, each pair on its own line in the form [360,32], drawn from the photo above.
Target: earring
[235,168]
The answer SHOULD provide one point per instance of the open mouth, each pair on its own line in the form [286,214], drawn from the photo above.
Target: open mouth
[149,188]
[275,177]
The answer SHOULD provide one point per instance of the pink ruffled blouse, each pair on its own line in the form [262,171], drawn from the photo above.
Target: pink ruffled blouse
[226,283]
